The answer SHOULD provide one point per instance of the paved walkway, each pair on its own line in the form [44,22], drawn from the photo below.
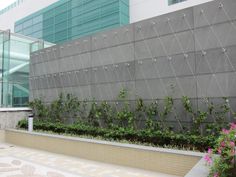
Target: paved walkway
[23,162]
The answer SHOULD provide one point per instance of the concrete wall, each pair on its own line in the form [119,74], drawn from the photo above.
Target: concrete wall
[188,52]
[168,161]
[9,117]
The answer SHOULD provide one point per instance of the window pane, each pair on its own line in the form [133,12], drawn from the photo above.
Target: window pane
[175,1]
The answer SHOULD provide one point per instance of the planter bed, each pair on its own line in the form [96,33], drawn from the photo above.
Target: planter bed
[175,162]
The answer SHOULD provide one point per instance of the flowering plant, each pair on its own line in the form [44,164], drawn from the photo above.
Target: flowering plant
[224,165]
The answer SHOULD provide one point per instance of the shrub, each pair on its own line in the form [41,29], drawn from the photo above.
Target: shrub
[157,138]
[157,115]
[224,165]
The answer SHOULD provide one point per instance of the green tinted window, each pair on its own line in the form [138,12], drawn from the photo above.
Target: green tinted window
[175,1]
[67,19]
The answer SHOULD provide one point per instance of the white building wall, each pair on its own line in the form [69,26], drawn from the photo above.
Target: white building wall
[139,10]
[143,9]
[8,19]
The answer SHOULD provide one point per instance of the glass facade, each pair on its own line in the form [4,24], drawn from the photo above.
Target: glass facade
[70,19]
[175,1]
[14,67]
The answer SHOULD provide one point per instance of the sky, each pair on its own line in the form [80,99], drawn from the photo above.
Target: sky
[5,3]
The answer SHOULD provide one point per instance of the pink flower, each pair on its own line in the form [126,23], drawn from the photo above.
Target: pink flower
[216,175]
[232,144]
[232,126]
[222,144]
[219,150]
[208,159]
[232,153]
[209,151]
[225,131]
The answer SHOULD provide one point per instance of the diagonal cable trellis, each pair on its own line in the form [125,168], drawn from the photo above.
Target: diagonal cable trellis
[158,72]
[207,60]
[105,68]
[52,74]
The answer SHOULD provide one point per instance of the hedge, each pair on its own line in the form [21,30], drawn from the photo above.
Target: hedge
[157,138]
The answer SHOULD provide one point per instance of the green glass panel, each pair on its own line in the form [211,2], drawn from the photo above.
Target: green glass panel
[14,65]
[60,18]
[48,22]
[66,19]
[175,1]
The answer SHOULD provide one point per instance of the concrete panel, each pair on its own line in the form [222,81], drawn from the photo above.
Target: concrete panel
[178,21]
[75,47]
[213,12]
[84,76]
[36,83]
[54,80]
[82,61]
[33,57]
[65,79]
[110,91]
[31,84]
[146,69]
[64,50]
[44,56]
[179,43]
[163,67]
[50,52]
[32,69]
[39,82]
[56,52]
[118,54]
[64,65]
[150,89]
[124,72]
[41,68]
[72,78]
[217,36]
[102,74]
[216,85]
[83,92]
[49,83]
[37,58]
[114,37]
[216,60]
[36,70]
[51,67]
[113,73]
[47,67]
[175,87]
[57,80]
[182,42]
[54,66]
[45,82]
[142,49]
[50,95]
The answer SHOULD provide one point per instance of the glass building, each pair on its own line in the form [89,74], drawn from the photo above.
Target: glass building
[70,19]
[14,67]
